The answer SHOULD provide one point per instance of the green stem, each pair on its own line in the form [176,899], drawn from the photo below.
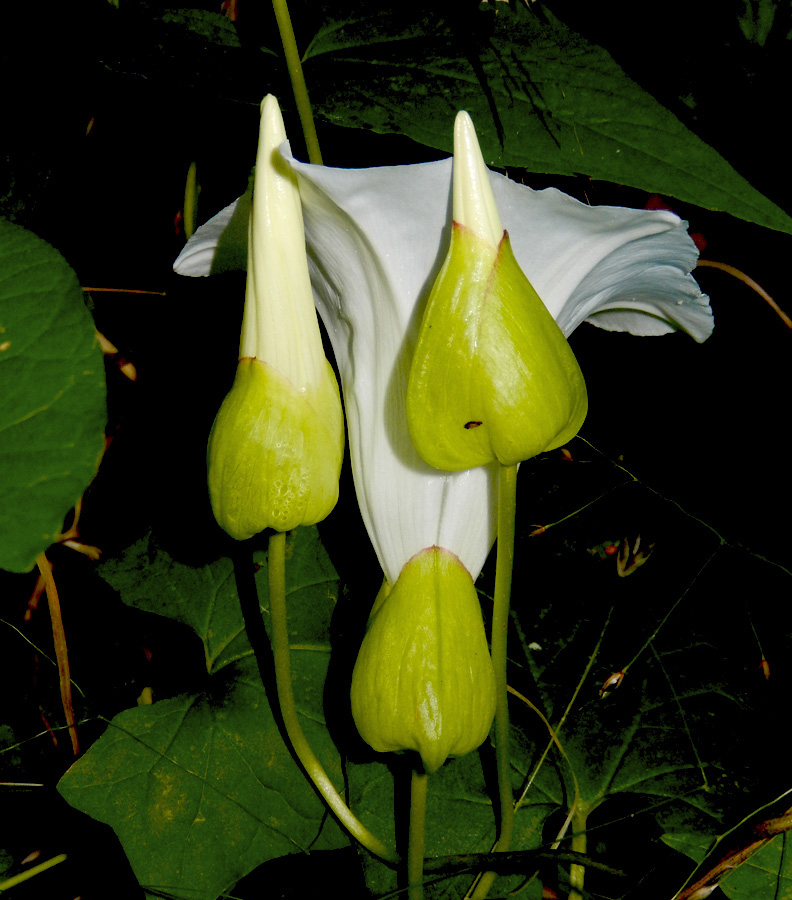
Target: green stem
[415,849]
[31,873]
[294,65]
[283,679]
[577,873]
[507,509]
[190,200]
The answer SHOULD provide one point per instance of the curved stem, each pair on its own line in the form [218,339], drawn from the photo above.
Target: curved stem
[741,276]
[283,680]
[294,65]
[415,850]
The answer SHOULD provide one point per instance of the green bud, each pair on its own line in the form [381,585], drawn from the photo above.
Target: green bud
[274,452]
[423,679]
[277,443]
[493,377]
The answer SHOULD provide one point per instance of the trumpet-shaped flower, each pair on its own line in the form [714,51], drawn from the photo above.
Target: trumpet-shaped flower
[277,443]
[377,239]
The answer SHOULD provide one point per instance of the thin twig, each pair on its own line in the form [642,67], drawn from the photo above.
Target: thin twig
[61,649]
[746,279]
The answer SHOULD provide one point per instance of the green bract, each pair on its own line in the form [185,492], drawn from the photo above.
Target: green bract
[493,377]
[423,679]
[274,452]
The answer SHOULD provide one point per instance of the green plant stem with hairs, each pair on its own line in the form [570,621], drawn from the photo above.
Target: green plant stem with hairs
[283,679]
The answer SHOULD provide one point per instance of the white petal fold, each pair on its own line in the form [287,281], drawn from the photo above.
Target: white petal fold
[376,239]
[198,258]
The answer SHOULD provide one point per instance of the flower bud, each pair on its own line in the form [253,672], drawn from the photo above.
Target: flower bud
[423,679]
[492,377]
[277,443]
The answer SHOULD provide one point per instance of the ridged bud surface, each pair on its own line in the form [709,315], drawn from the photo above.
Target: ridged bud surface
[423,679]
[274,452]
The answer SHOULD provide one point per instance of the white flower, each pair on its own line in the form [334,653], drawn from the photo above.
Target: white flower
[376,239]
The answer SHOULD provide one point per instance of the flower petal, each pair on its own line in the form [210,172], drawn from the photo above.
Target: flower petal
[618,268]
[203,254]
[367,282]
[622,269]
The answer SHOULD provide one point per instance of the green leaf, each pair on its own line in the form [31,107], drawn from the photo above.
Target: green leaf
[653,739]
[757,19]
[541,97]
[201,788]
[211,27]
[768,873]
[205,597]
[52,401]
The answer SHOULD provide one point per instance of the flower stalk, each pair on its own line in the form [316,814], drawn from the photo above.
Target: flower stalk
[276,571]
[294,65]
[277,443]
[507,507]
[419,784]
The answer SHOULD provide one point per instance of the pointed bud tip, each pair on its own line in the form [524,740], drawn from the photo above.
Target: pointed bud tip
[272,131]
[474,202]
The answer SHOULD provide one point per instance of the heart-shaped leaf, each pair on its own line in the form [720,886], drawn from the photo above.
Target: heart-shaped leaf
[52,402]
[201,788]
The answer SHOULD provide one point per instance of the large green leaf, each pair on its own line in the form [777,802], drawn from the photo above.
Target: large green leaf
[201,788]
[541,97]
[206,599]
[52,395]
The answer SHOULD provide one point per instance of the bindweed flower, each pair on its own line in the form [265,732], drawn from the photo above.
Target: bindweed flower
[377,239]
[492,377]
[277,443]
